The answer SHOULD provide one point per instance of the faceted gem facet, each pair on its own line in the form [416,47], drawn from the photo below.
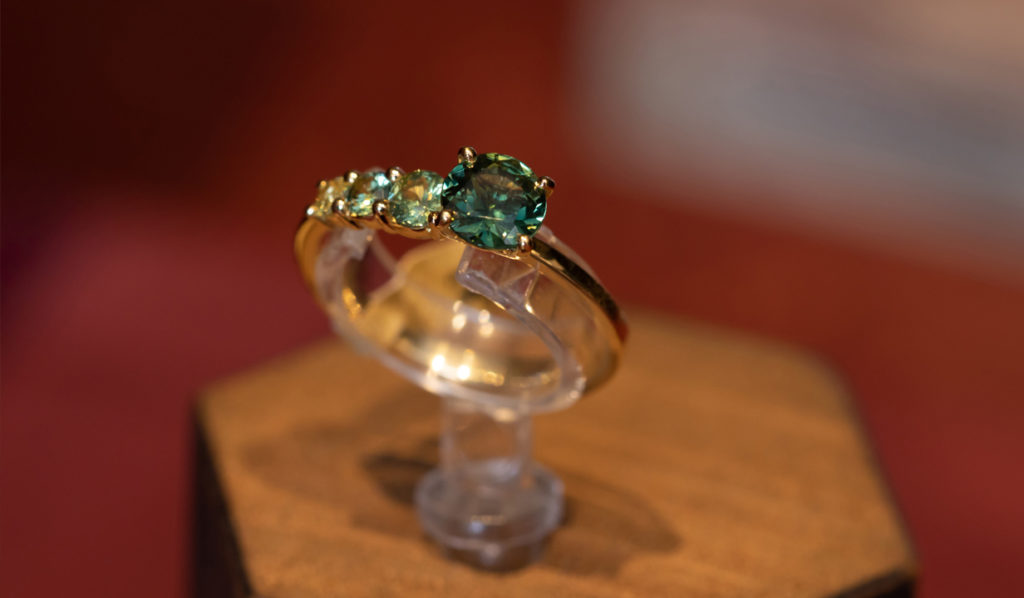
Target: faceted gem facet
[367,188]
[493,201]
[414,196]
[326,196]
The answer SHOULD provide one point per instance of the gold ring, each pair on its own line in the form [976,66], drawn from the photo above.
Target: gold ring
[495,310]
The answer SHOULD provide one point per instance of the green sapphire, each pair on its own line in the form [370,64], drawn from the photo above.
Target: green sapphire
[414,196]
[330,192]
[493,201]
[367,188]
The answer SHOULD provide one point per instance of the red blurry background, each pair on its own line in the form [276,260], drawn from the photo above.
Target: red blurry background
[156,157]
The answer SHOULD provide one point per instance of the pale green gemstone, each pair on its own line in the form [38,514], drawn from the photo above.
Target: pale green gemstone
[326,198]
[414,197]
[368,187]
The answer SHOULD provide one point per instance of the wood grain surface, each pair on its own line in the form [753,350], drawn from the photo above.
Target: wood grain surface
[713,465]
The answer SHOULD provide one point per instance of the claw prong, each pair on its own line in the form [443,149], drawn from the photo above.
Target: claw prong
[524,244]
[547,184]
[467,155]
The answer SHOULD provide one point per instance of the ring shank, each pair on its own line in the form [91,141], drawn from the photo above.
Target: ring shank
[530,332]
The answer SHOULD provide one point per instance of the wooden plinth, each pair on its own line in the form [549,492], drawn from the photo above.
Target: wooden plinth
[713,465]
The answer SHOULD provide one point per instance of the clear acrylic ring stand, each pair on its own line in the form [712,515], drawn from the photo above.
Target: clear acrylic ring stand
[488,503]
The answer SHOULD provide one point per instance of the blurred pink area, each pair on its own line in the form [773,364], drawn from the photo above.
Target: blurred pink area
[157,157]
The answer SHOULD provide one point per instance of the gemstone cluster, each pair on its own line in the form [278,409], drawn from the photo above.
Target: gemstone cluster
[490,201]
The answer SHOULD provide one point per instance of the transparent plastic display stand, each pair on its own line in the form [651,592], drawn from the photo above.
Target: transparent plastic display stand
[488,503]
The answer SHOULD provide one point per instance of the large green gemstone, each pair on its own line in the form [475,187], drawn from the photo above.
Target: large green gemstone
[367,188]
[493,201]
[414,196]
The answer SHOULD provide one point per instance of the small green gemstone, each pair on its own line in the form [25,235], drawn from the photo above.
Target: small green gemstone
[494,201]
[414,196]
[323,207]
[368,188]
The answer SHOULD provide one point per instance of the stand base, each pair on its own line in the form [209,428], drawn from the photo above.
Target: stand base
[714,465]
[488,525]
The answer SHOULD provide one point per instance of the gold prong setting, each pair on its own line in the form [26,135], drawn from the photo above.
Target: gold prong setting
[547,185]
[440,223]
[524,244]
[467,155]
[382,214]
